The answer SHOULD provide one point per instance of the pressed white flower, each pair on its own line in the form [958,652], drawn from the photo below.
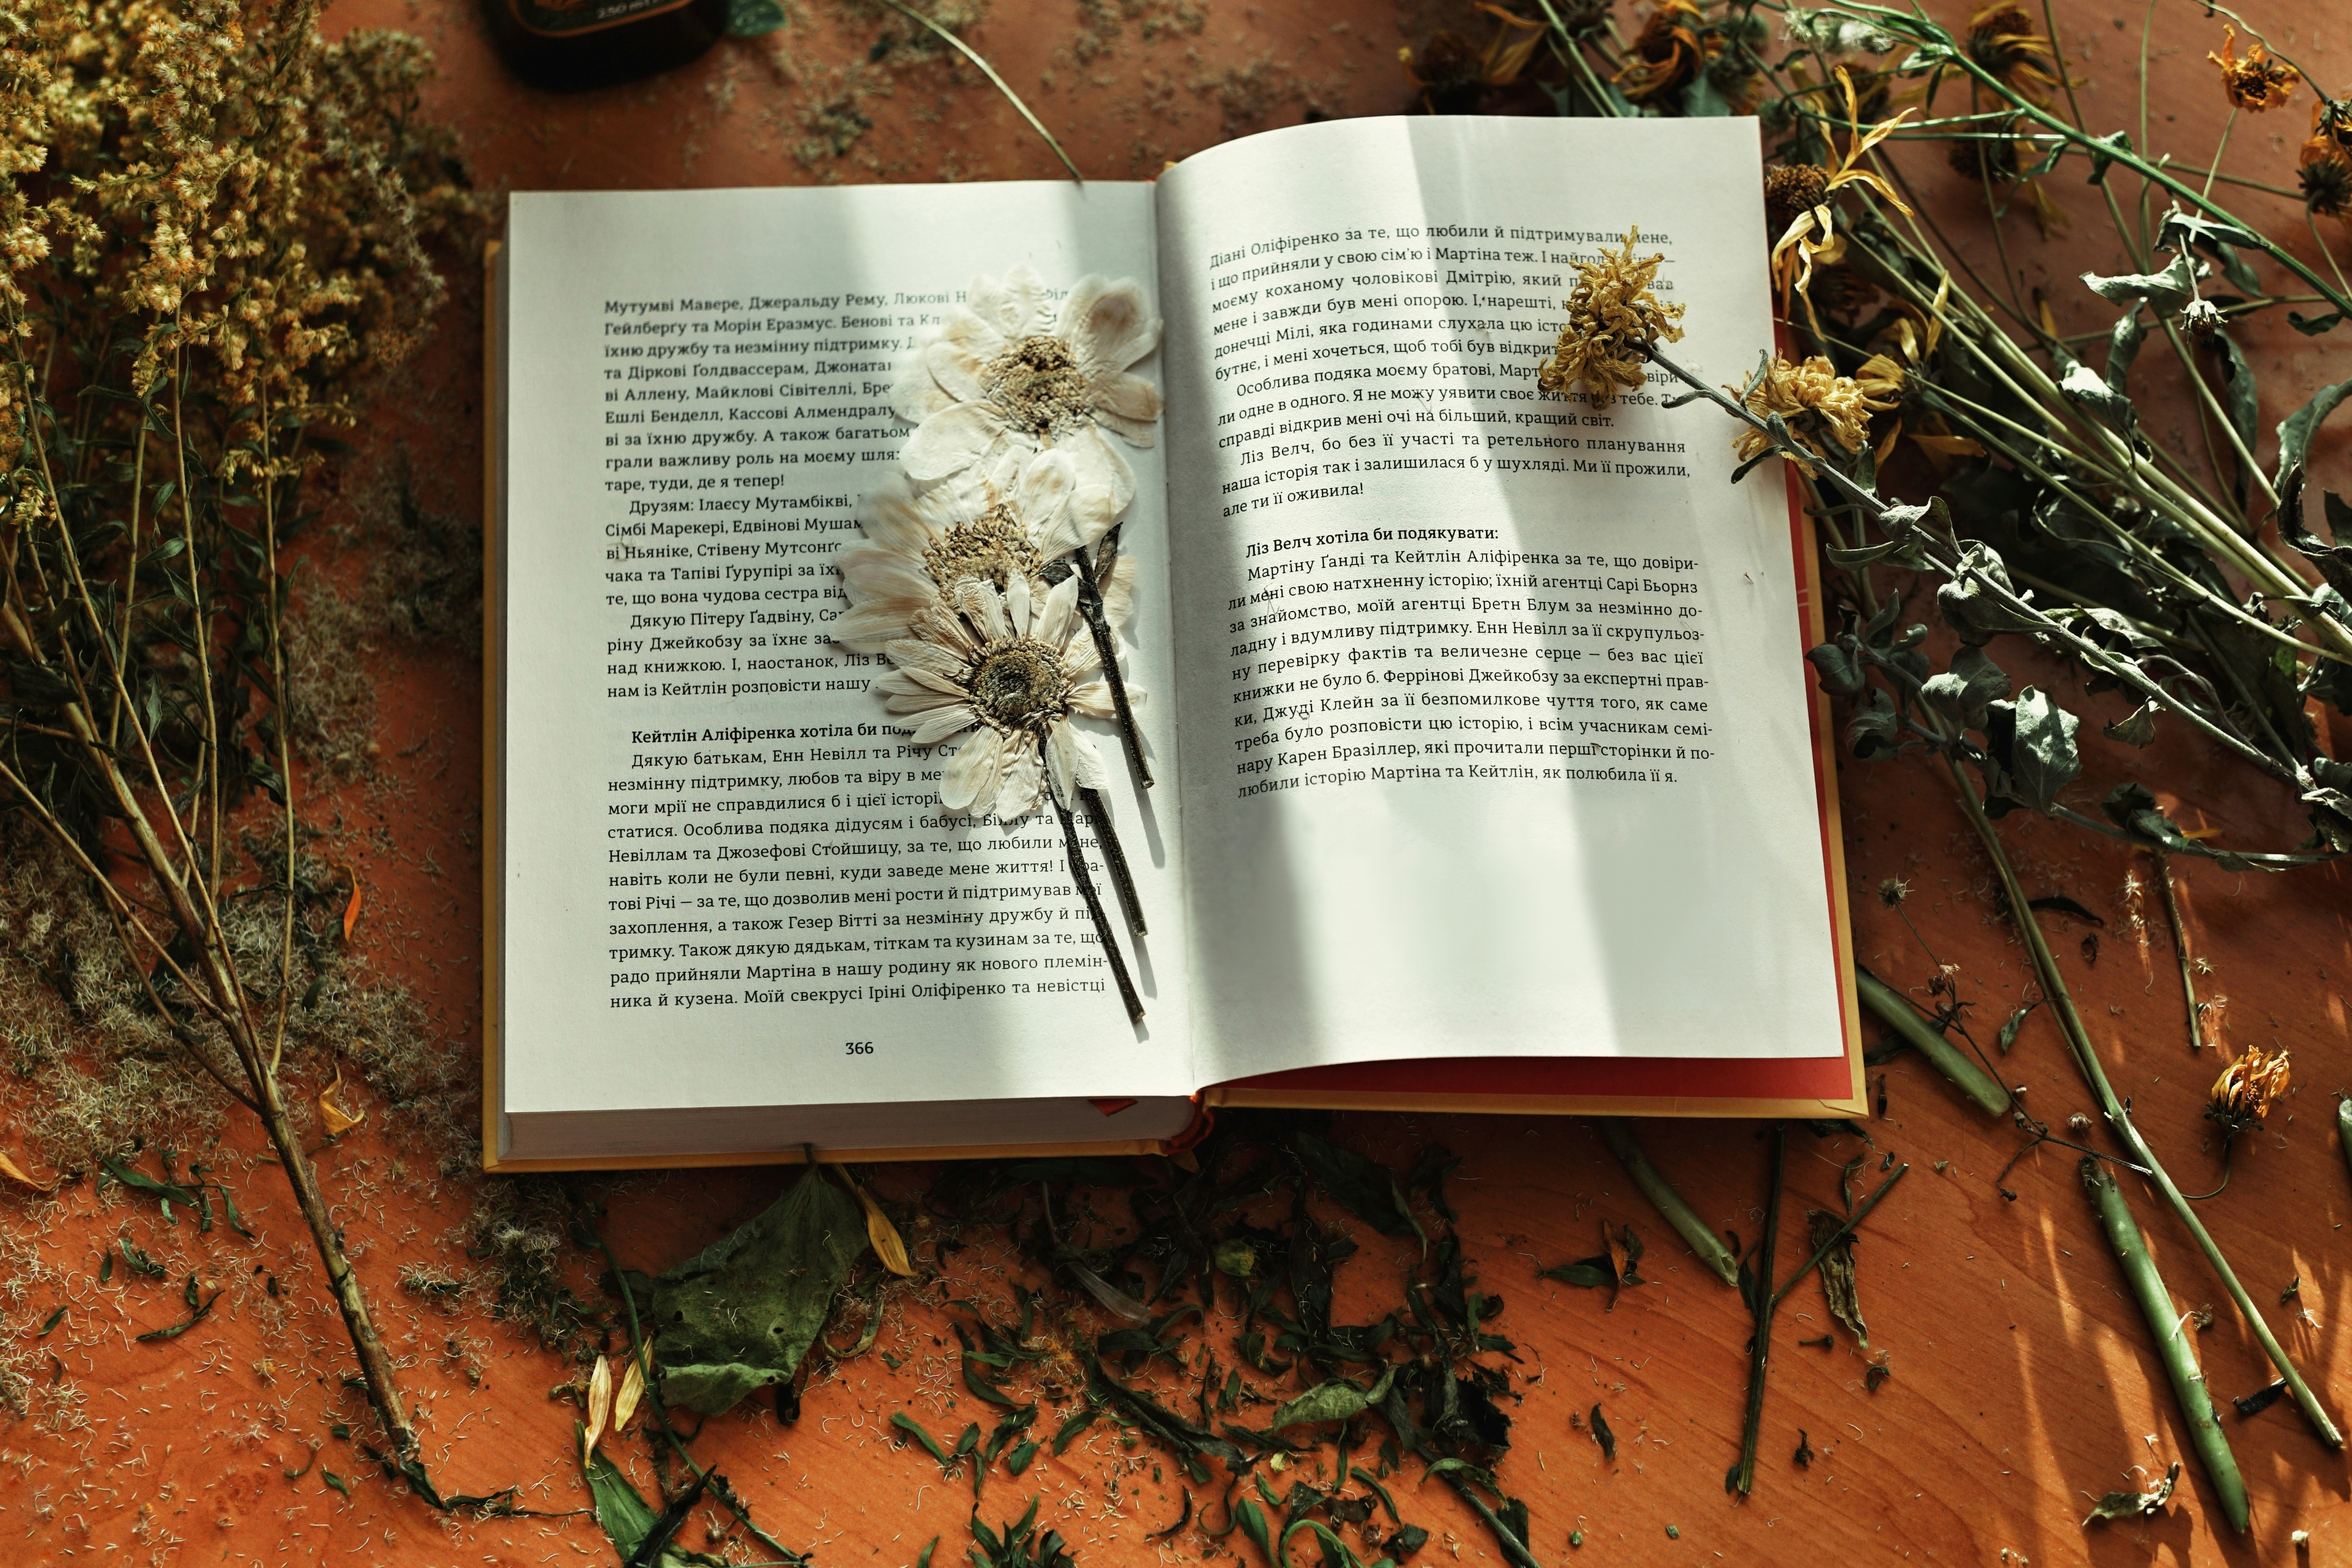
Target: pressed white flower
[1011,668]
[1008,374]
[919,543]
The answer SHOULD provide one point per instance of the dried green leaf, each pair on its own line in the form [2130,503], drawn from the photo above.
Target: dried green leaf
[2034,740]
[1587,1273]
[1253,1523]
[53,1320]
[740,1316]
[2260,1399]
[1602,1435]
[1837,1272]
[2168,290]
[197,1312]
[1364,1188]
[1963,690]
[1338,1400]
[2008,1035]
[336,1481]
[1018,1459]
[914,1428]
[1803,1457]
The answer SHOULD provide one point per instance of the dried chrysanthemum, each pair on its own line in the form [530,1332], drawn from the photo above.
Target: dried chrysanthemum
[1815,401]
[2242,1094]
[919,543]
[1455,78]
[1903,349]
[1613,318]
[2256,82]
[1790,189]
[1012,669]
[2331,125]
[2003,43]
[1812,236]
[1007,376]
[1665,55]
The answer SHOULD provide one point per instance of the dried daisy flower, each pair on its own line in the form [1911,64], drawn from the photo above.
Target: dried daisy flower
[1007,376]
[2241,1096]
[2002,42]
[1665,55]
[920,543]
[1613,318]
[2326,178]
[1815,401]
[1454,77]
[1010,669]
[2256,82]
[2331,125]
[1812,234]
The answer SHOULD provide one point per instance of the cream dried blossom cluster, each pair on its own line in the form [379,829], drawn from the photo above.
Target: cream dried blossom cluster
[259,202]
[988,572]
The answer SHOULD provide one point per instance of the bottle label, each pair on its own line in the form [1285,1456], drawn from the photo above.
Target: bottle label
[564,18]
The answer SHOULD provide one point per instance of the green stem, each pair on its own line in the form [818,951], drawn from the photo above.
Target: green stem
[2218,148]
[1666,1201]
[1899,1015]
[2086,1061]
[1742,1478]
[2206,1438]
[2179,948]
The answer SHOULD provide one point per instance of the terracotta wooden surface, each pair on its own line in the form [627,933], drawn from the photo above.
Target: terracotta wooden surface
[2022,1377]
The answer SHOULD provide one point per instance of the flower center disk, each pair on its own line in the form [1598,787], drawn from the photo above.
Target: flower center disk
[1018,684]
[1038,384]
[993,546]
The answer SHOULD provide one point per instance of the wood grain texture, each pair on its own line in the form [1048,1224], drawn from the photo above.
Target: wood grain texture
[2023,1383]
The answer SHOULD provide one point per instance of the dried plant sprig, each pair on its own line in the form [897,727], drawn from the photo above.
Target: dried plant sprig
[2175,1346]
[218,229]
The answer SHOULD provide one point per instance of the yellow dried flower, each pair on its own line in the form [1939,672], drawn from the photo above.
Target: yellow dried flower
[2256,82]
[2242,1094]
[2001,40]
[1613,318]
[1813,237]
[1665,55]
[1815,401]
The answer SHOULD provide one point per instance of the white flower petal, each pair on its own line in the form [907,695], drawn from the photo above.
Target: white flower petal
[1030,307]
[954,440]
[1061,761]
[1017,789]
[917,654]
[1092,698]
[971,774]
[914,395]
[1130,400]
[1098,463]
[956,367]
[1087,770]
[1017,602]
[1043,491]
[1059,614]
[984,607]
[1110,326]
[942,723]
[1119,594]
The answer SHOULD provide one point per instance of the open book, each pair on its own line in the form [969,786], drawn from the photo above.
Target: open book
[1488,772]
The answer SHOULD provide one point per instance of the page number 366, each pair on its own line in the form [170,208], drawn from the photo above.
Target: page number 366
[857,1048]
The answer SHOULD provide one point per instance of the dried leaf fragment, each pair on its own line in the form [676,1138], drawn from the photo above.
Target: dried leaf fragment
[338,1121]
[600,1407]
[880,1234]
[631,1392]
[1837,1274]
[15,1173]
[352,908]
[2134,1504]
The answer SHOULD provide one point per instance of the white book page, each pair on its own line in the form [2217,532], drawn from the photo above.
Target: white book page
[1494,715]
[728,878]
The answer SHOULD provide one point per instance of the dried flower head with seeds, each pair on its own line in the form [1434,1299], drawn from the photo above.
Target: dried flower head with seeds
[2241,1096]
[2325,177]
[2257,82]
[1008,374]
[1613,318]
[1012,669]
[920,543]
[1815,401]
[1456,77]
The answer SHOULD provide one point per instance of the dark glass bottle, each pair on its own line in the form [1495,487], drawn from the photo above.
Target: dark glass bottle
[569,45]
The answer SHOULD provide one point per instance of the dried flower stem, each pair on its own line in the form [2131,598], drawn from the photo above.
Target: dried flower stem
[1090,605]
[2179,948]
[1118,961]
[1742,1478]
[1114,857]
[2344,1128]
[2173,1348]
[2086,1060]
[1666,1200]
[1948,1058]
